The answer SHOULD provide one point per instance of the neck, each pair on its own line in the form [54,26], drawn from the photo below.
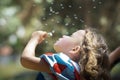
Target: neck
[75,57]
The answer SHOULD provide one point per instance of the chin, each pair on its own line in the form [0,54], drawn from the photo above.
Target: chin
[56,48]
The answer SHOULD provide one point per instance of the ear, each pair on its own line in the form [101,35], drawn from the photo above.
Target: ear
[76,49]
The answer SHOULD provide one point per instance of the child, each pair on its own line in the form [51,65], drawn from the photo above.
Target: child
[81,56]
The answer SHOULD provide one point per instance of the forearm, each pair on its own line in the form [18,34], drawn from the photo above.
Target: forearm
[28,55]
[114,55]
[29,50]
[28,58]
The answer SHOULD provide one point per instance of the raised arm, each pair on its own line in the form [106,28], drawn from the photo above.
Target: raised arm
[114,55]
[28,58]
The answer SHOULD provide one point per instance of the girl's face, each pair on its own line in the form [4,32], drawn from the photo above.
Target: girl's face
[67,43]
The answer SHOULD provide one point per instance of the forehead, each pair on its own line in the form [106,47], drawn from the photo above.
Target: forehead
[78,33]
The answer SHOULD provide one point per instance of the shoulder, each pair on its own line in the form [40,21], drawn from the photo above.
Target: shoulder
[60,64]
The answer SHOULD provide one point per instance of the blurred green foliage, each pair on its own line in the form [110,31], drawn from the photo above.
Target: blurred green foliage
[19,18]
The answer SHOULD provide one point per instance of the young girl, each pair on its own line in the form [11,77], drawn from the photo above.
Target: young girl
[81,56]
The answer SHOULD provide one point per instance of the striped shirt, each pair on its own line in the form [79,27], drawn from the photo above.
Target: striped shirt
[61,66]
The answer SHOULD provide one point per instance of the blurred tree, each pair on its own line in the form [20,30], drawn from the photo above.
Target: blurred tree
[75,14]
[60,17]
[19,18]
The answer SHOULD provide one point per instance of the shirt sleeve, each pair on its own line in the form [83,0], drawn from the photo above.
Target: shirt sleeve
[60,65]
[54,61]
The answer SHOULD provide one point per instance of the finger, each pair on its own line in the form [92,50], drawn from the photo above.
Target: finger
[44,34]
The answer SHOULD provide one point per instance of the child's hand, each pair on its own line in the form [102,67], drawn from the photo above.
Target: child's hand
[39,35]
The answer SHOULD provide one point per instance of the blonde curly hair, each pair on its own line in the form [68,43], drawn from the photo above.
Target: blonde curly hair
[94,60]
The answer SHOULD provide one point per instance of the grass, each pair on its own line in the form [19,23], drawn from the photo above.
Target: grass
[11,70]
[116,69]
